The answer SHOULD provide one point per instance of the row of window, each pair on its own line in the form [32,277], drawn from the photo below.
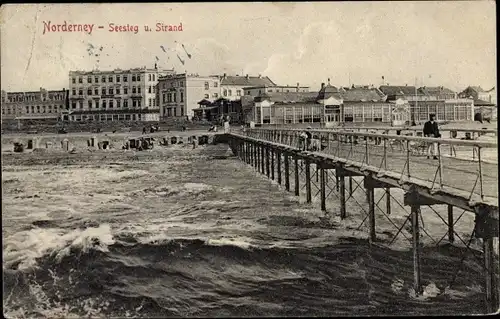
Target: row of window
[109,91]
[172,97]
[35,109]
[32,98]
[109,104]
[105,117]
[230,93]
[111,78]
[173,84]
[173,112]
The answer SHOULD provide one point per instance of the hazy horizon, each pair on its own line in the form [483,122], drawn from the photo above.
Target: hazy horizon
[452,44]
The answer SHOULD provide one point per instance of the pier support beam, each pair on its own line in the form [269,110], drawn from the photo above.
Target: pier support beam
[491,276]
[350,186]
[272,164]
[487,228]
[388,201]
[296,171]
[287,172]
[268,171]
[343,213]
[417,286]
[370,193]
[323,179]
[308,181]
[278,159]
[262,160]
[451,234]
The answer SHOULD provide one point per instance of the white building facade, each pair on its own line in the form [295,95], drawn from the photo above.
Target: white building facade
[177,95]
[118,95]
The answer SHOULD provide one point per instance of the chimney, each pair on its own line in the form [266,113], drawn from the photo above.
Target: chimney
[328,81]
[322,85]
[224,75]
[246,76]
[260,76]
[406,84]
[298,84]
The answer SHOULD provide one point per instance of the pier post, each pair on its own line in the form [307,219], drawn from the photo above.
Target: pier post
[491,274]
[262,159]
[415,210]
[451,234]
[388,200]
[350,186]
[245,146]
[254,155]
[323,188]
[370,193]
[267,162]
[341,178]
[287,172]
[272,164]
[317,172]
[486,228]
[308,181]
[278,159]
[250,153]
[296,171]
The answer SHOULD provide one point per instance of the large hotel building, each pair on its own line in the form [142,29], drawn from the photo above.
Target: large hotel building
[39,105]
[118,95]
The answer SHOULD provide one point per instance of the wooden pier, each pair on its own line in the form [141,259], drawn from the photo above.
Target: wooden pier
[470,185]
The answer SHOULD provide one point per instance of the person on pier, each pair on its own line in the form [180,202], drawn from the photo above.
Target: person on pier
[431,129]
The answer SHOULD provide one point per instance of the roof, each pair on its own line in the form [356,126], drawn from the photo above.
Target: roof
[436,90]
[328,91]
[482,103]
[477,89]
[246,81]
[204,102]
[281,97]
[361,94]
[397,90]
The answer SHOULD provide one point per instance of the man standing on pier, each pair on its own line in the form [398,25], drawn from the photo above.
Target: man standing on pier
[431,129]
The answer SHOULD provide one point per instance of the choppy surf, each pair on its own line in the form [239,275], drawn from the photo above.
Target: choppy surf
[194,236]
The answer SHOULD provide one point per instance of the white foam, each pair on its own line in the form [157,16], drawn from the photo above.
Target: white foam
[238,242]
[25,247]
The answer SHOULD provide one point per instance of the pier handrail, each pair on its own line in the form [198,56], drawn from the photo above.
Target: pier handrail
[395,128]
[372,145]
[446,141]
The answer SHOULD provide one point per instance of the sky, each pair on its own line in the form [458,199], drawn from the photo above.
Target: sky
[451,44]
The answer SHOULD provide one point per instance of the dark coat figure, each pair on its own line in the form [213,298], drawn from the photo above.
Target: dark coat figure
[144,130]
[431,129]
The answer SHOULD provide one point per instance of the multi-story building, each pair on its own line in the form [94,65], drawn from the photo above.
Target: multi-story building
[178,95]
[330,104]
[35,105]
[114,95]
[233,87]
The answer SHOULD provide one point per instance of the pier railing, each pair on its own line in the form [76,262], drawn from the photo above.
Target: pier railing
[406,155]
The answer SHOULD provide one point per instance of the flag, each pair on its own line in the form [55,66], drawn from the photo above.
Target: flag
[161,46]
[157,58]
